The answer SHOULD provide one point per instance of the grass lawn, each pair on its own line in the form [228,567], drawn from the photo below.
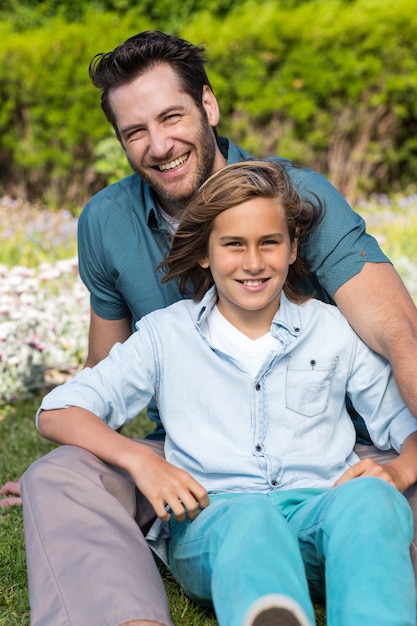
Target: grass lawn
[19,446]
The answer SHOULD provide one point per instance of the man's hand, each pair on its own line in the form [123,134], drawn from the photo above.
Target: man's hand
[400,472]
[368,467]
[10,489]
[165,485]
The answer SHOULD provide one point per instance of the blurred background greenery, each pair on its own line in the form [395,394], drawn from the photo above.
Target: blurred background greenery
[330,84]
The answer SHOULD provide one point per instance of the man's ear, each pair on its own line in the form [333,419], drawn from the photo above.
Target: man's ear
[211,106]
[204,262]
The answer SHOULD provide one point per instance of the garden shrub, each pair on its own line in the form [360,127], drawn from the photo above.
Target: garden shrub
[330,84]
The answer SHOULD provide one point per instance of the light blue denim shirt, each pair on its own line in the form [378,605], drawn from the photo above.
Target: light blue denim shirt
[286,428]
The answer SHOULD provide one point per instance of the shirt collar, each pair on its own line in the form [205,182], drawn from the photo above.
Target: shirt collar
[288,316]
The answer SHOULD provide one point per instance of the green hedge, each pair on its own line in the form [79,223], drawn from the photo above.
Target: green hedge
[329,83]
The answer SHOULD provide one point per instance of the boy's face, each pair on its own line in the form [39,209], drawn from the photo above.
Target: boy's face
[249,254]
[168,140]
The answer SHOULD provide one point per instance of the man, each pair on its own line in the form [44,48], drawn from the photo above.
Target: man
[88,562]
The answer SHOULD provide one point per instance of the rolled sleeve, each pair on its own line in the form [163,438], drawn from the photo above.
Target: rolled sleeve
[404,425]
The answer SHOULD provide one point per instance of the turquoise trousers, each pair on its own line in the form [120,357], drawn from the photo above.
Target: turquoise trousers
[348,545]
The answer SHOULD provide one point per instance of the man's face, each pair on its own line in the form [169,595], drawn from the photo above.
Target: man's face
[168,140]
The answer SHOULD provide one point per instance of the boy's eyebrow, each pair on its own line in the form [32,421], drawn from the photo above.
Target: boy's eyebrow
[266,236]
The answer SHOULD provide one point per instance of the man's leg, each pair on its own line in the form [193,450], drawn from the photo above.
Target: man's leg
[88,561]
[238,550]
[383,456]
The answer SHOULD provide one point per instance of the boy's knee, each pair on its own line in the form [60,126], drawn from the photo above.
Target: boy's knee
[375,501]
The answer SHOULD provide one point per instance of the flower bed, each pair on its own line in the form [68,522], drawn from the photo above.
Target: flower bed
[44,317]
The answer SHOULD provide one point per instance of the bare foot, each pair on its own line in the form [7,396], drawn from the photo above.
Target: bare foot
[10,489]
[11,501]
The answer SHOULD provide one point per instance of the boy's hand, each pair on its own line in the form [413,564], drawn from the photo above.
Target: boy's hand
[165,485]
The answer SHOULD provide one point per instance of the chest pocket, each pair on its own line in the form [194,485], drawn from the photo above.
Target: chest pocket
[308,385]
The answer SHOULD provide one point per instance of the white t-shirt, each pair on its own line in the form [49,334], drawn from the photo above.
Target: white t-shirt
[250,353]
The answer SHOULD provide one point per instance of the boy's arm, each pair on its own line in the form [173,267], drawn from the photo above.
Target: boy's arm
[161,483]
[400,472]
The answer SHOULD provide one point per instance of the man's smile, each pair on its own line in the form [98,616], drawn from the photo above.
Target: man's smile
[165,167]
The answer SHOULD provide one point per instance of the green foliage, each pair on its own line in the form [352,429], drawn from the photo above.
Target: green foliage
[52,118]
[330,84]
[110,160]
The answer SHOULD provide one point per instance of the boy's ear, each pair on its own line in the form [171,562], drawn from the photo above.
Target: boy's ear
[204,262]
[294,251]
[294,246]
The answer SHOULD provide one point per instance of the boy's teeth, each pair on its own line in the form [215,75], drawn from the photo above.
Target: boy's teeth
[252,283]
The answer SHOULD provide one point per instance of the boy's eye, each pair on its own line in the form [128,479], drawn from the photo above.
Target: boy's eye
[232,244]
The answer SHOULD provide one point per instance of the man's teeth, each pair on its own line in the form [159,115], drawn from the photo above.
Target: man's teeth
[173,164]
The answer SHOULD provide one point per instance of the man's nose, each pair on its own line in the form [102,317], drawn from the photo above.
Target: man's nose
[160,144]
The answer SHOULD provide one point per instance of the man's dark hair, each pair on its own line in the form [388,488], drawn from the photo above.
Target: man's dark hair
[141,53]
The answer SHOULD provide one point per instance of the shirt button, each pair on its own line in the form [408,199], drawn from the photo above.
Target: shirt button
[258,447]
[257,386]
[362,253]
[274,483]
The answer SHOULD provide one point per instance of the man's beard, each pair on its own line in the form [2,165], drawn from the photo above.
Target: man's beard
[206,141]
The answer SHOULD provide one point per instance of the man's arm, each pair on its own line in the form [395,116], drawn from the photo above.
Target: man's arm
[103,334]
[379,308]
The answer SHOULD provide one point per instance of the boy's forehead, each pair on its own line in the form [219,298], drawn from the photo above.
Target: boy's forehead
[255,214]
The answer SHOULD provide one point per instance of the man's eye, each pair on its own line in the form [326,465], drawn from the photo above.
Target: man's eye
[174,117]
[134,134]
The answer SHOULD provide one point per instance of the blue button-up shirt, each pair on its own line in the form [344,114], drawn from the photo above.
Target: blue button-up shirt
[286,428]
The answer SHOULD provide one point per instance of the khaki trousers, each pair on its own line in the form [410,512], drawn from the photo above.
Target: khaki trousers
[87,558]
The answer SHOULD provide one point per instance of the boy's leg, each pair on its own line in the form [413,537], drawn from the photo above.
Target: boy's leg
[88,561]
[383,456]
[237,550]
[361,530]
